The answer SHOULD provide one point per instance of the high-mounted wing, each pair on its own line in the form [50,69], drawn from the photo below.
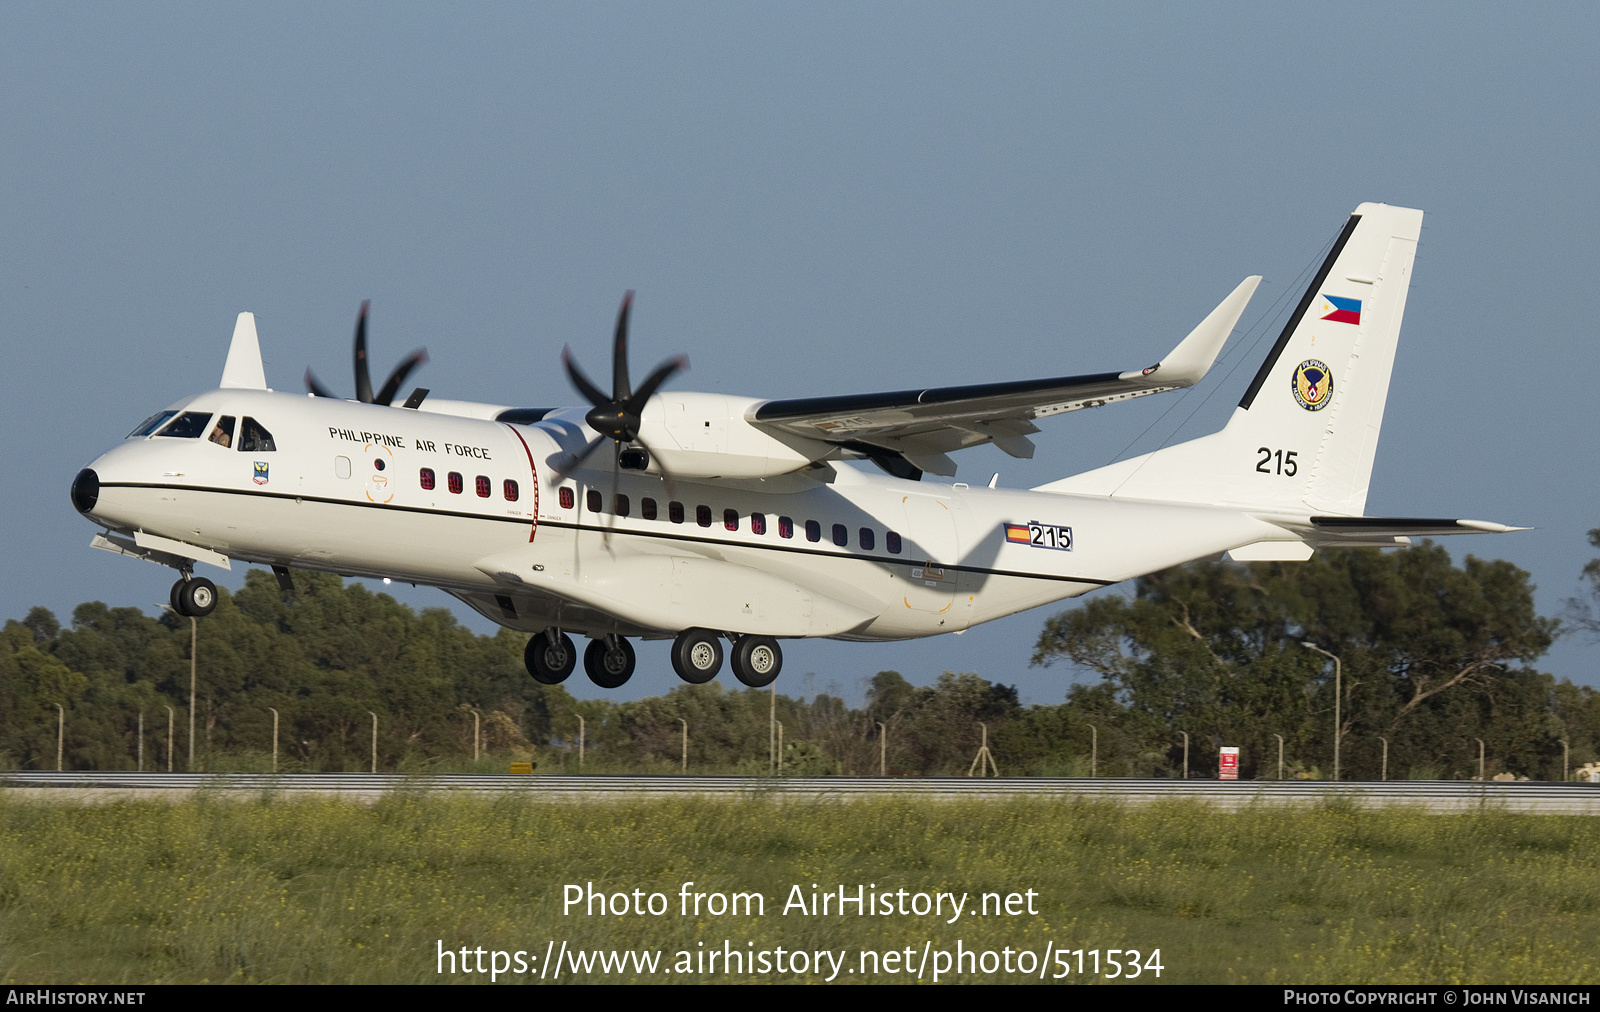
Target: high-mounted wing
[922,426]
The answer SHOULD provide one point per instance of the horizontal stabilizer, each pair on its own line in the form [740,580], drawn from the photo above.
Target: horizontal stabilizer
[1398,527]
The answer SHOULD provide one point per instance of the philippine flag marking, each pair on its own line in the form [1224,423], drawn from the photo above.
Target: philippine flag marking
[1018,534]
[1343,310]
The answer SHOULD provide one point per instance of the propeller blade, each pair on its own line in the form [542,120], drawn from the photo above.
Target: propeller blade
[315,387]
[653,382]
[363,377]
[620,389]
[391,386]
[611,507]
[563,468]
[581,381]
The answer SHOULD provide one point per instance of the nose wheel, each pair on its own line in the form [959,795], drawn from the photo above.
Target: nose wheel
[195,597]
[609,661]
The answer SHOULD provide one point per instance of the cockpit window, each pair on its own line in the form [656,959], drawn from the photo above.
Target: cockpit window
[189,425]
[254,438]
[222,432]
[152,423]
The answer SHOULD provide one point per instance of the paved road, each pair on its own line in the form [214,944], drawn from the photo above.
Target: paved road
[1436,795]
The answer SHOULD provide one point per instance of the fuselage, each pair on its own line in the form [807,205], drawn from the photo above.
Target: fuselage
[465,504]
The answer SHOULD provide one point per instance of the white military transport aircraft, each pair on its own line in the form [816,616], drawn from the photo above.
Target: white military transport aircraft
[718,517]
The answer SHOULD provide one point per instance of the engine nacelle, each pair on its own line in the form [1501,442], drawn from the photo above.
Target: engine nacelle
[708,436]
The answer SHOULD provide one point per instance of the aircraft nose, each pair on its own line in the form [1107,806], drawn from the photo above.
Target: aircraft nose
[86,490]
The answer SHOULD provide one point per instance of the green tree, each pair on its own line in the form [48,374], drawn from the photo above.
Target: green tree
[1432,654]
[1585,614]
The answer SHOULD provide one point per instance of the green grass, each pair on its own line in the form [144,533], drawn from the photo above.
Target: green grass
[307,890]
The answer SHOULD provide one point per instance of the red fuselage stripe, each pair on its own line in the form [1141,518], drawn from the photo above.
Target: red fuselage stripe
[533,472]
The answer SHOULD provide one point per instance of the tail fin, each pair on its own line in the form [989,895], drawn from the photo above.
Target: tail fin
[1304,436]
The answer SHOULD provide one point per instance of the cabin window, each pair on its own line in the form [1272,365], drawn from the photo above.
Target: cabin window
[675,512]
[566,498]
[222,432]
[730,519]
[647,508]
[841,535]
[813,531]
[481,485]
[593,500]
[253,438]
[453,479]
[785,527]
[891,541]
[622,505]
[758,523]
[189,425]
[702,516]
[151,424]
[427,479]
[341,467]
[378,464]
[867,540]
[511,490]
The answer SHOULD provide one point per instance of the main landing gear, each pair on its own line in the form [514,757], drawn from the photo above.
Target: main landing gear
[550,656]
[757,660]
[194,597]
[609,660]
[697,657]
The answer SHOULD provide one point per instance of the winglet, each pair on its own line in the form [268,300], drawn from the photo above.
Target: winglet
[243,370]
[1188,363]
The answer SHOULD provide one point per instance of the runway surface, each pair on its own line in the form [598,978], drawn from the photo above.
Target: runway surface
[1436,795]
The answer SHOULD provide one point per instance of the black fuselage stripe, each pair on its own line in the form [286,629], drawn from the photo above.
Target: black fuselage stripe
[601,529]
[1299,312]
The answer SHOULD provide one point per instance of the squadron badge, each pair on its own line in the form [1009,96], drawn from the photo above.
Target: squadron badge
[1313,385]
[261,472]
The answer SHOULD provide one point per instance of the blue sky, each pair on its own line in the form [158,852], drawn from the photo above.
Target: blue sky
[810,199]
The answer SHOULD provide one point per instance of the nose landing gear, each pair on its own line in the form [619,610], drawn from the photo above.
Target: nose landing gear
[194,597]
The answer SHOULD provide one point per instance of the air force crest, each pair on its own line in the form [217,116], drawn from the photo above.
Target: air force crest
[1313,385]
[261,472]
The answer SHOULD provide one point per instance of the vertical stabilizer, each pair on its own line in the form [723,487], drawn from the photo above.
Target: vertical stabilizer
[243,369]
[1304,436]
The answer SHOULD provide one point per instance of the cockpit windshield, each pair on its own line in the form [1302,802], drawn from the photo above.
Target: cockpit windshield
[150,424]
[189,425]
[254,438]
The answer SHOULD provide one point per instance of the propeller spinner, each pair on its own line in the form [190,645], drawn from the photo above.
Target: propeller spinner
[618,417]
[364,393]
